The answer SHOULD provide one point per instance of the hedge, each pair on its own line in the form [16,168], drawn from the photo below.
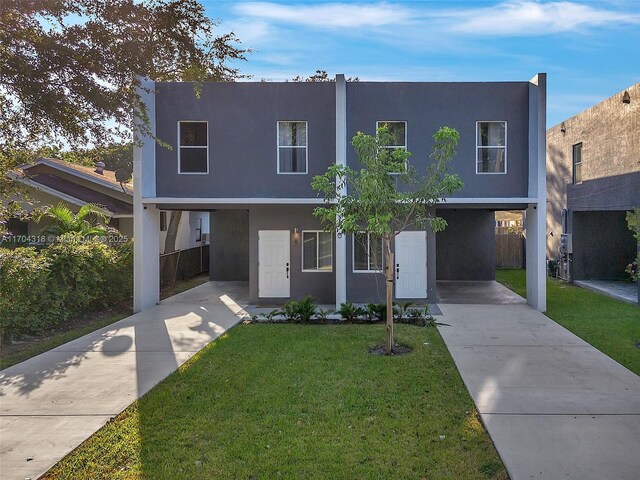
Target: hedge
[41,289]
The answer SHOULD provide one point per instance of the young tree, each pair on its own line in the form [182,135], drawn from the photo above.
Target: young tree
[387,195]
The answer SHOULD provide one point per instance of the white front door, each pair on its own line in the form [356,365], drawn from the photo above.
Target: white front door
[411,265]
[274,264]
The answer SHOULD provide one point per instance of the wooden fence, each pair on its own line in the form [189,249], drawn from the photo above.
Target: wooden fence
[510,251]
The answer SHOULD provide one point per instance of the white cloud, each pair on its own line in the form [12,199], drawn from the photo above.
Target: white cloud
[327,15]
[509,18]
[530,18]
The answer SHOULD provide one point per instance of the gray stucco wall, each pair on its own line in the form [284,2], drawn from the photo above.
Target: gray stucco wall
[428,106]
[243,120]
[602,245]
[466,250]
[610,137]
[229,247]
[320,285]
[617,192]
[370,287]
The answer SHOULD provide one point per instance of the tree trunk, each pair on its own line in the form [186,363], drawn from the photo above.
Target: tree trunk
[389,270]
[172,231]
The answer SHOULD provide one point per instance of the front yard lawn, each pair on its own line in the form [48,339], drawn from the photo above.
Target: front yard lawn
[298,401]
[613,327]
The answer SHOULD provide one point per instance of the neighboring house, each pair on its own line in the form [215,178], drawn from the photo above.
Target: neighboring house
[247,153]
[509,221]
[593,179]
[50,181]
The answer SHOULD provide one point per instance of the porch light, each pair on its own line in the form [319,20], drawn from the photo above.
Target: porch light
[563,128]
[296,234]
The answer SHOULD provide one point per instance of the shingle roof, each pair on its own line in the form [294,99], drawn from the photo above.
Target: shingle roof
[108,176]
[114,205]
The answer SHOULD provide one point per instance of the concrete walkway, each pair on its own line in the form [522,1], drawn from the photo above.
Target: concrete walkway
[624,291]
[51,403]
[555,407]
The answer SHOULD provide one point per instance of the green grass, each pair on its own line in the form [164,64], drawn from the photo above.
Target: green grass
[296,401]
[613,327]
[19,352]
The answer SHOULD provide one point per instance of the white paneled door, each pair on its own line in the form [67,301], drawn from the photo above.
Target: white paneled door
[411,265]
[274,264]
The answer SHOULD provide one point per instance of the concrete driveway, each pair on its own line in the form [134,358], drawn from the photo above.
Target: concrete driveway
[555,407]
[51,403]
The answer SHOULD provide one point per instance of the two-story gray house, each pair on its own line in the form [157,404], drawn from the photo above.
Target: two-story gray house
[247,153]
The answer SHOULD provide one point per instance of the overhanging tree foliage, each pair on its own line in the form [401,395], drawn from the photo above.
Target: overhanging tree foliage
[70,69]
[387,195]
[70,66]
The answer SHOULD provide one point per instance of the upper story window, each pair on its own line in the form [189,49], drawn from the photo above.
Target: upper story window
[193,149]
[317,253]
[577,163]
[367,253]
[398,132]
[491,147]
[292,147]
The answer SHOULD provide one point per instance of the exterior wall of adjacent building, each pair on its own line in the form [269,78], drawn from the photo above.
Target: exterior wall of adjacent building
[187,230]
[610,137]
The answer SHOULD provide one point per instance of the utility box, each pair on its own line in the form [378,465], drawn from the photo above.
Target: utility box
[566,243]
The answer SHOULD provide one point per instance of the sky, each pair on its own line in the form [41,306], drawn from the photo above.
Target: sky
[590,50]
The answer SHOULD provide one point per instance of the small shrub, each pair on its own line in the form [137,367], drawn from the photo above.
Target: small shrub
[40,289]
[323,314]
[350,312]
[400,310]
[300,311]
[376,311]
[632,270]
[419,317]
[27,304]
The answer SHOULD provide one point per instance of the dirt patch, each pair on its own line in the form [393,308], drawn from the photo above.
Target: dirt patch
[397,350]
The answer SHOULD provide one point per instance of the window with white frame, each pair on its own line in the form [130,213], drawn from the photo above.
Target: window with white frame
[398,132]
[491,147]
[292,147]
[367,252]
[193,149]
[577,163]
[317,252]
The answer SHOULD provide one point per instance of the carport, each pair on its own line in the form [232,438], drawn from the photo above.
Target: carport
[488,292]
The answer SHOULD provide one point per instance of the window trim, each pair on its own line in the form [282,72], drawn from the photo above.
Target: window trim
[180,172]
[573,163]
[406,136]
[353,255]
[316,270]
[306,147]
[405,146]
[506,163]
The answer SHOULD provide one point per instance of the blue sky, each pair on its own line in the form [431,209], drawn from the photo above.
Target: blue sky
[589,49]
